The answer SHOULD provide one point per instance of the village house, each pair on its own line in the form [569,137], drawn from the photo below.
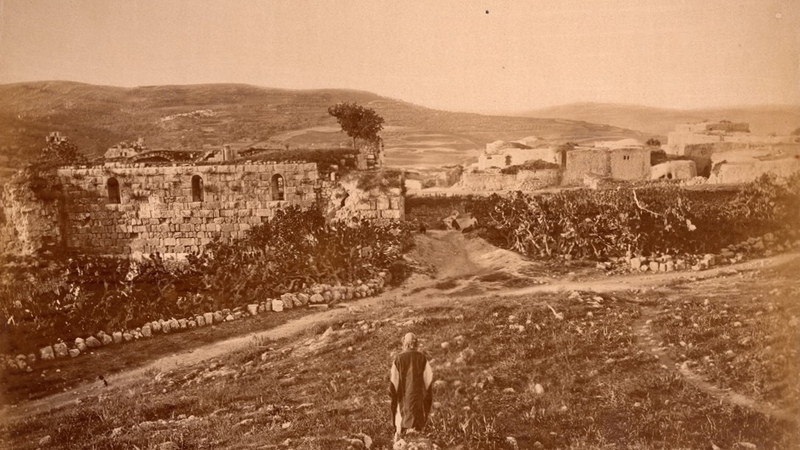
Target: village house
[500,154]
[622,160]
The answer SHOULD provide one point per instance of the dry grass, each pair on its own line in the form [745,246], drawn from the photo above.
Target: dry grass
[601,390]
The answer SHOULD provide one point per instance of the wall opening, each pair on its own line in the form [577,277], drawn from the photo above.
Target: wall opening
[197,189]
[277,187]
[508,160]
[113,190]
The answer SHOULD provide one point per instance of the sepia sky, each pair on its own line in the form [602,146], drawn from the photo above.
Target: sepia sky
[457,55]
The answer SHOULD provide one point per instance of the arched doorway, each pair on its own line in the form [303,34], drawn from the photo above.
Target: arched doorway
[113,190]
[197,189]
[277,188]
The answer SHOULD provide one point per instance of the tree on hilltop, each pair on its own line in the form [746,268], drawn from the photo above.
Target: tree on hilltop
[653,142]
[357,121]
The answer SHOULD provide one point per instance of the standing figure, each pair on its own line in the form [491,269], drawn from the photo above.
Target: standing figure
[411,381]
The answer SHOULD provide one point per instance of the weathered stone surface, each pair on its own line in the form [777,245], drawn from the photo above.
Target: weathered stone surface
[182,324]
[46,353]
[116,337]
[106,339]
[127,337]
[61,350]
[303,299]
[156,325]
[252,308]
[92,342]
[654,266]
[191,324]
[80,344]
[201,321]
[209,318]
[670,266]
[174,325]
[317,298]
[146,332]
[230,318]
[74,352]
[218,316]
[277,305]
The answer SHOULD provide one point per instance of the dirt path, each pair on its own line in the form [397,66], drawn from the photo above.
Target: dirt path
[451,253]
[650,342]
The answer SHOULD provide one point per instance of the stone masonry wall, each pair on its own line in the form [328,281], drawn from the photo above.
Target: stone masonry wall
[28,223]
[159,212]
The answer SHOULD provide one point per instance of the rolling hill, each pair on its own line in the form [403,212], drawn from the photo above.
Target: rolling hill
[659,121]
[196,116]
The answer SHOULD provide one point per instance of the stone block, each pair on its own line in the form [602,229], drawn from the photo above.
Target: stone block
[653,266]
[277,305]
[218,316]
[200,320]
[74,352]
[208,318]
[116,337]
[106,339]
[252,308]
[146,331]
[92,342]
[46,353]
[182,324]
[127,337]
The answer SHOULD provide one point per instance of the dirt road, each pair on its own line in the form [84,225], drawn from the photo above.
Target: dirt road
[452,254]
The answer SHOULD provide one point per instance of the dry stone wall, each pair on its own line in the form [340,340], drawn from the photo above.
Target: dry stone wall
[525,180]
[177,209]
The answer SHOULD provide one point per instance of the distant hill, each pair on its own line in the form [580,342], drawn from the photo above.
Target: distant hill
[660,121]
[197,116]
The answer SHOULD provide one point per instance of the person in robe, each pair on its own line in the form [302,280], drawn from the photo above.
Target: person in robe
[411,380]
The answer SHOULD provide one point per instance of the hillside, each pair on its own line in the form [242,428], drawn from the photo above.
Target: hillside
[660,121]
[97,117]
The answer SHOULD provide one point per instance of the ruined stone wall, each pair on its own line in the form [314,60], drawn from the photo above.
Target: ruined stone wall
[345,201]
[158,209]
[524,180]
[27,223]
[674,170]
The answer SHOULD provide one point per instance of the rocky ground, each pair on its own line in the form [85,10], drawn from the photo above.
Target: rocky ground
[521,359]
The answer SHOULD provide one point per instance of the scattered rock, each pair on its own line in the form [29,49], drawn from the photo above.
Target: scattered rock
[107,340]
[538,389]
[46,353]
[445,345]
[510,440]
[47,440]
[169,445]
[127,337]
[316,299]
[74,352]
[61,350]
[92,342]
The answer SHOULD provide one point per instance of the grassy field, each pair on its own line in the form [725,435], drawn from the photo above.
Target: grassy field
[570,370]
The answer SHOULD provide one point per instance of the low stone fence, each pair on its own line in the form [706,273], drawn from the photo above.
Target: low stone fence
[317,296]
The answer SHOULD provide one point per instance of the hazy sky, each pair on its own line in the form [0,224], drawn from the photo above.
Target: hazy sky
[459,55]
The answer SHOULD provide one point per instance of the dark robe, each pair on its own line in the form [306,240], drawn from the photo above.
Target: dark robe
[411,381]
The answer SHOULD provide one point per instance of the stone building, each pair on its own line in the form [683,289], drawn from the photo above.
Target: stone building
[501,154]
[627,164]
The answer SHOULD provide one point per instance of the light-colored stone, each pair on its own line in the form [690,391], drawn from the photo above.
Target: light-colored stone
[61,350]
[106,339]
[92,342]
[218,316]
[182,324]
[74,352]
[146,332]
[252,309]
[230,318]
[191,324]
[156,325]
[46,353]
[116,337]
[209,318]
[127,337]
[174,325]
[277,305]
[201,321]
[317,299]
[303,299]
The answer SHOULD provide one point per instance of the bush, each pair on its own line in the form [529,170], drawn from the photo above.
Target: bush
[661,218]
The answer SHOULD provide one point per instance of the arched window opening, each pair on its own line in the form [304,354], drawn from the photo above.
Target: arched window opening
[197,189]
[113,190]
[508,160]
[277,187]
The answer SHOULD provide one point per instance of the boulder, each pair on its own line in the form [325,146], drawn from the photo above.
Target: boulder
[61,350]
[653,266]
[92,342]
[230,318]
[191,324]
[252,308]
[165,327]
[116,337]
[218,317]
[106,339]
[182,324]
[670,266]
[317,299]
[80,344]
[208,318]
[636,263]
[46,353]
[174,325]
[303,299]
[289,301]
[277,305]
[262,308]
[327,296]
[146,332]
[201,321]
[156,325]
[127,337]
[74,352]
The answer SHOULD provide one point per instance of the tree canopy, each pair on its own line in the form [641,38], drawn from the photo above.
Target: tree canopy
[357,121]
[60,152]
